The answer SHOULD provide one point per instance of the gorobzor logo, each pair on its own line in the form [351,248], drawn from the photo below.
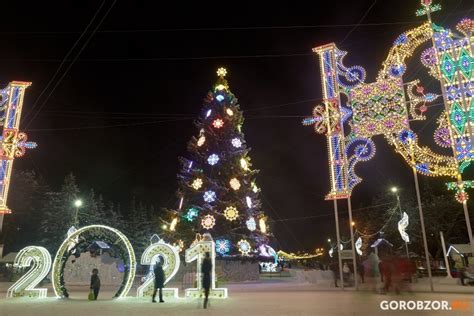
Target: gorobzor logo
[425,305]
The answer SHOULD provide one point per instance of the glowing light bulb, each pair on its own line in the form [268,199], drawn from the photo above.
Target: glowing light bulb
[234,184]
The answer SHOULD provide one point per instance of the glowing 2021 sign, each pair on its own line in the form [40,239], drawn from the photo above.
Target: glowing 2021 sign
[41,260]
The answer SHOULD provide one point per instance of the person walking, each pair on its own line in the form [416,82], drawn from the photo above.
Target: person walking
[206,270]
[95,283]
[159,281]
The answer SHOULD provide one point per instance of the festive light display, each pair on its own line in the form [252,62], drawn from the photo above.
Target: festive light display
[331,252]
[460,188]
[292,256]
[213,159]
[197,183]
[208,222]
[191,214]
[268,266]
[234,184]
[385,106]
[39,259]
[254,188]
[170,264]
[222,246]
[267,251]
[208,113]
[251,224]
[244,164]
[358,246]
[244,247]
[201,141]
[173,224]
[231,213]
[89,233]
[209,196]
[229,112]
[197,253]
[263,225]
[402,226]
[236,142]
[218,123]
[13,142]
[249,201]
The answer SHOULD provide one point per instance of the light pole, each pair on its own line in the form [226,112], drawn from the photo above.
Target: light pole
[77,204]
[395,191]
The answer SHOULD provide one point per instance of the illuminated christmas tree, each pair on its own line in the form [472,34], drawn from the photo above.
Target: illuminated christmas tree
[217,190]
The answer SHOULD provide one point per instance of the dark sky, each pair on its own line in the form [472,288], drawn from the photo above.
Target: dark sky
[123,113]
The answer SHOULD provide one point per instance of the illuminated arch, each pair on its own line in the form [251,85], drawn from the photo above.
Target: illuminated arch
[105,233]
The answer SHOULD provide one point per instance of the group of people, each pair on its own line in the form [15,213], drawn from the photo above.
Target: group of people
[159,274]
[391,271]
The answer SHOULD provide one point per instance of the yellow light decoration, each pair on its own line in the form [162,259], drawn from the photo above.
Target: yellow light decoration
[244,164]
[231,213]
[254,187]
[263,225]
[221,72]
[234,184]
[229,112]
[197,183]
[218,123]
[208,222]
[173,224]
[201,141]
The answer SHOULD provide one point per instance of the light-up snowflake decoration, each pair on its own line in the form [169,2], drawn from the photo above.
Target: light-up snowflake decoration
[251,224]
[213,159]
[218,123]
[209,196]
[231,213]
[234,184]
[244,247]
[197,184]
[236,142]
[222,246]
[208,222]
[191,214]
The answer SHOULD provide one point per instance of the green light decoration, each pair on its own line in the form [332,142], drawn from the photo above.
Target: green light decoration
[460,195]
[427,8]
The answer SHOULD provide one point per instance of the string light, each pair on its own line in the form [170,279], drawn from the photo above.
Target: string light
[208,222]
[197,183]
[263,225]
[234,184]
[244,164]
[231,213]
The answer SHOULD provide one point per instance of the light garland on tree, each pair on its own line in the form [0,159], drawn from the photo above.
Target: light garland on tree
[244,247]
[218,123]
[244,164]
[249,201]
[213,159]
[229,112]
[209,196]
[208,222]
[173,224]
[263,225]
[197,184]
[191,214]
[201,141]
[231,213]
[236,142]
[251,224]
[234,184]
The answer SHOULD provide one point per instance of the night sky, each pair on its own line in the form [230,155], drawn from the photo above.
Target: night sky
[124,111]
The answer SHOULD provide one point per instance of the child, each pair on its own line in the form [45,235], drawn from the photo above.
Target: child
[95,283]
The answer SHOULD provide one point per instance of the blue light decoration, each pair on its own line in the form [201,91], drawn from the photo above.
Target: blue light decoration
[209,196]
[358,149]
[191,214]
[407,136]
[251,224]
[208,113]
[222,246]
[236,142]
[249,201]
[213,159]
[220,97]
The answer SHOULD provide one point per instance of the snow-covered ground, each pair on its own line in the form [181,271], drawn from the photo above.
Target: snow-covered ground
[271,297]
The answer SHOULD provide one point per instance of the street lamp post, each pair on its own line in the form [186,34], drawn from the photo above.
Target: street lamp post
[395,191]
[77,204]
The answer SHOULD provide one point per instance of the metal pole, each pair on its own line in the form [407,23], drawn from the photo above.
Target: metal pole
[423,231]
[401,214]
[468,222]
[338,237]
[75,217]
[349,207]
[446,261]
[1,222]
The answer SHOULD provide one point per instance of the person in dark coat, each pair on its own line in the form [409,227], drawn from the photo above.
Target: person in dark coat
[206,271]
[159,281]
[95,283]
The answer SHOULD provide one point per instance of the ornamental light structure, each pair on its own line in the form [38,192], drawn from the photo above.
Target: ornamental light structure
[403,219]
